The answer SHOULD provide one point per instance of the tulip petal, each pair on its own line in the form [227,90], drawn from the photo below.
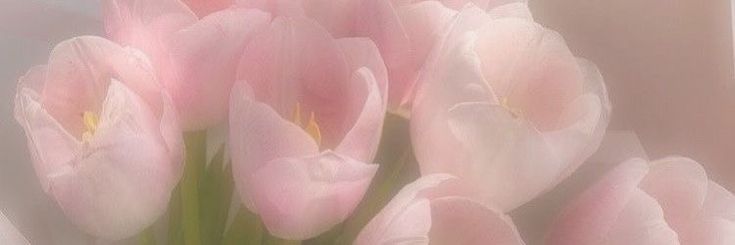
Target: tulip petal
[258,135]
[455,78]
[680,186]
[588,218]
[362,52]
[108,191]
[171,131]
[206,55]
[531,67]
[512,9]
[275,7]
[378,20]
[76,80]
[295,62]
[720,202]
[457,220]
[52,148]
[362,141]
[375,19]
[504,153]
[206,7]
[423,23]
[483,4]
[141,22]
[79,72]
[589,116]
[299,198]
[641,222]
[368,97]
[575,143]
[333,15]
[710,231]
[9,235]
[406,218]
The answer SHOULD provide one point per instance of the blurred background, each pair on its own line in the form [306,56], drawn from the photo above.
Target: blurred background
[668,65]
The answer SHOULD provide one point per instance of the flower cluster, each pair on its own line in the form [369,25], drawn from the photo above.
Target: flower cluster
[347,121]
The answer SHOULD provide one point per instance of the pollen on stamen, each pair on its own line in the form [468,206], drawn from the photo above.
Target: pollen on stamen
[516,112]
[311,127]
[91,121]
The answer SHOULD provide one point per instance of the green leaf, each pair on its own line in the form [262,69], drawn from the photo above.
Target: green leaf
[147,237]
[215,188]
[329,237]
[246,229]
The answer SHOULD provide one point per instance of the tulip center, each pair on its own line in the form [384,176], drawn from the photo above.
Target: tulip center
[91,121]
[311,126]
[516,112]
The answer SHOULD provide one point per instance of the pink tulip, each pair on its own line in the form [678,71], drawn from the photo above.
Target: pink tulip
[196,59]
[103,136]
[505,106]
[9,235]
[419,215]
[669,201]
[304,124]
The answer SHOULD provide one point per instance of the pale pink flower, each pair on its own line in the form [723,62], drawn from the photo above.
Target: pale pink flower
[304,124]
[668,201]
[103,135]
[419,215]
[9,235]
[506,107]
[196,59]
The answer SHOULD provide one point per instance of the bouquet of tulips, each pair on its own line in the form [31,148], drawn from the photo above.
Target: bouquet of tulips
[368,122]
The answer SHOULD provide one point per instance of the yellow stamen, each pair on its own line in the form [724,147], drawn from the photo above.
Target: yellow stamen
[313,129]
[516,112]
[91,121]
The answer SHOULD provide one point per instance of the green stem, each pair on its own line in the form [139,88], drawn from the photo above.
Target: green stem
[147,237]
[246,229]
[196,156]
[329,237]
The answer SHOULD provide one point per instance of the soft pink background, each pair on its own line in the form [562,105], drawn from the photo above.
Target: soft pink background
[668,65]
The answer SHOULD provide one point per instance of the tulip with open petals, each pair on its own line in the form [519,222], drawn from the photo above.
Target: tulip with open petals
[305,123]
[505,106]
[418,214]
[103,135]
[196,59]
[665,202]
